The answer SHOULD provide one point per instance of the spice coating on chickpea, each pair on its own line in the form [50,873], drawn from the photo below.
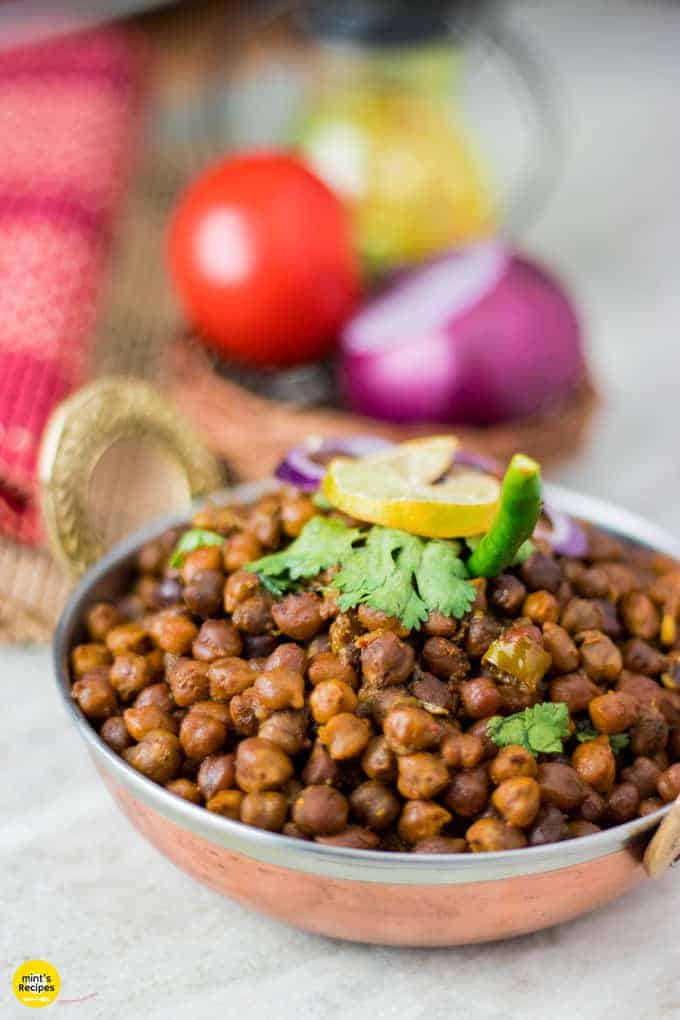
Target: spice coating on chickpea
[342,726]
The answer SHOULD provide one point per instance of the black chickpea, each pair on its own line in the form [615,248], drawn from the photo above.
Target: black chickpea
[345,727]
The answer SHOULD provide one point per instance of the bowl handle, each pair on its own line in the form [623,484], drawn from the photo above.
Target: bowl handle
[81,430]
[664,846]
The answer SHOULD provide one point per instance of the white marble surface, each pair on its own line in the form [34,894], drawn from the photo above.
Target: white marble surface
[79,888]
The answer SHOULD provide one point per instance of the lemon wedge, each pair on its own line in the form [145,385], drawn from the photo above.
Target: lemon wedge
[417,461]
[394,489]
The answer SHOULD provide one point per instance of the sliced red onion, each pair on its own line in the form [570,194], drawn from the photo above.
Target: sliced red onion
[477,460]
[565,535]
[305,465]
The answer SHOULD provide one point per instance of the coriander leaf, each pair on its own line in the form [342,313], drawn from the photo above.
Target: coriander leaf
[439,577]
[195,538]
[540,729]
[618,741]
[322,543]
[587,733]
[381,575]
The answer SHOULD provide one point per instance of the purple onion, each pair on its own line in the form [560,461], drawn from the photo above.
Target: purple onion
[480,335]
[565,535]
[305,465]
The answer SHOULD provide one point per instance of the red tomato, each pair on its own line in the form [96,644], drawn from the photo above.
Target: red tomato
[261,254]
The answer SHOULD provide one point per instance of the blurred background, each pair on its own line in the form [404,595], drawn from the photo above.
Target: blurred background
[337,217]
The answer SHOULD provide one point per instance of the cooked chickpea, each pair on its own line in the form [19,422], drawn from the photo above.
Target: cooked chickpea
[157,756]
[562,650]
[127,637]
[595,764]
[541,607]
[320,811]
[421,775]
[387,661]
[226,803]
[518,801]
[129,674]
[581,614]
[155,694]
[668,783]
[488,835]
[173,632]
[513,761]
[240,549]
[345,736]
[254,615]
[462,750]
[576,690]
[101,618]
[140,721]
[439,625]
[242,709]
[86,658]
[468,792]
[216,772]
[217,639]
[261,765]
[507,593]
[265,810]
[286,729]
[327,666]
[649,805]
[201,734]
[480,697]
[613,712]
[379,760]
[445,659]
[600,657]
[239,587]
[280,688]
[422,819]
[287,656]
[114,733]
[643,773]
[579,827]
[354,837]
[188,682]
[320,768]
[408,729]
[331,697]
[550,826]
[375,805]
[622,803]
[185,789]
[560,785]
[95,696]
[298,616]
[640,616]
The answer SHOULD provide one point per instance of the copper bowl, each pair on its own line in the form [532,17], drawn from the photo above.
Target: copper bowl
[373,896]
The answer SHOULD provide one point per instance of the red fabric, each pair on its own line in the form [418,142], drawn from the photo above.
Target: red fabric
[66,125]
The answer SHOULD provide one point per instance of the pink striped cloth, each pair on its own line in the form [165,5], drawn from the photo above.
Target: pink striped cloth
[67,119]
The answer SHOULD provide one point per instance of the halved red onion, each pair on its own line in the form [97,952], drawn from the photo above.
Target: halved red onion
[305,465]
[478,460]
[565,535]
[478,335]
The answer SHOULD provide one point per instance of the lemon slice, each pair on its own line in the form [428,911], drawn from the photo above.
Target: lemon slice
[465,504]
[417,461]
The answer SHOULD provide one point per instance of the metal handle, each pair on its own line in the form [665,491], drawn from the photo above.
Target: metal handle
[81,430]
[664,847]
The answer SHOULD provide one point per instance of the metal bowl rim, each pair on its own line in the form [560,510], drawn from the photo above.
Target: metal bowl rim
[340,862]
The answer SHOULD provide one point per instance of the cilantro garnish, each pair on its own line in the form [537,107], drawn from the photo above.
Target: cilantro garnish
[617,741]
[400,574]
[195,538]
[323,542]
[540,729]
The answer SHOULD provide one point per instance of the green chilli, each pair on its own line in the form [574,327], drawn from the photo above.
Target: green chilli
[515,521]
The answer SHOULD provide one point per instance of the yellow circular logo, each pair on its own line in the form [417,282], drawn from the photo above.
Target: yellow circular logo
[36,983]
